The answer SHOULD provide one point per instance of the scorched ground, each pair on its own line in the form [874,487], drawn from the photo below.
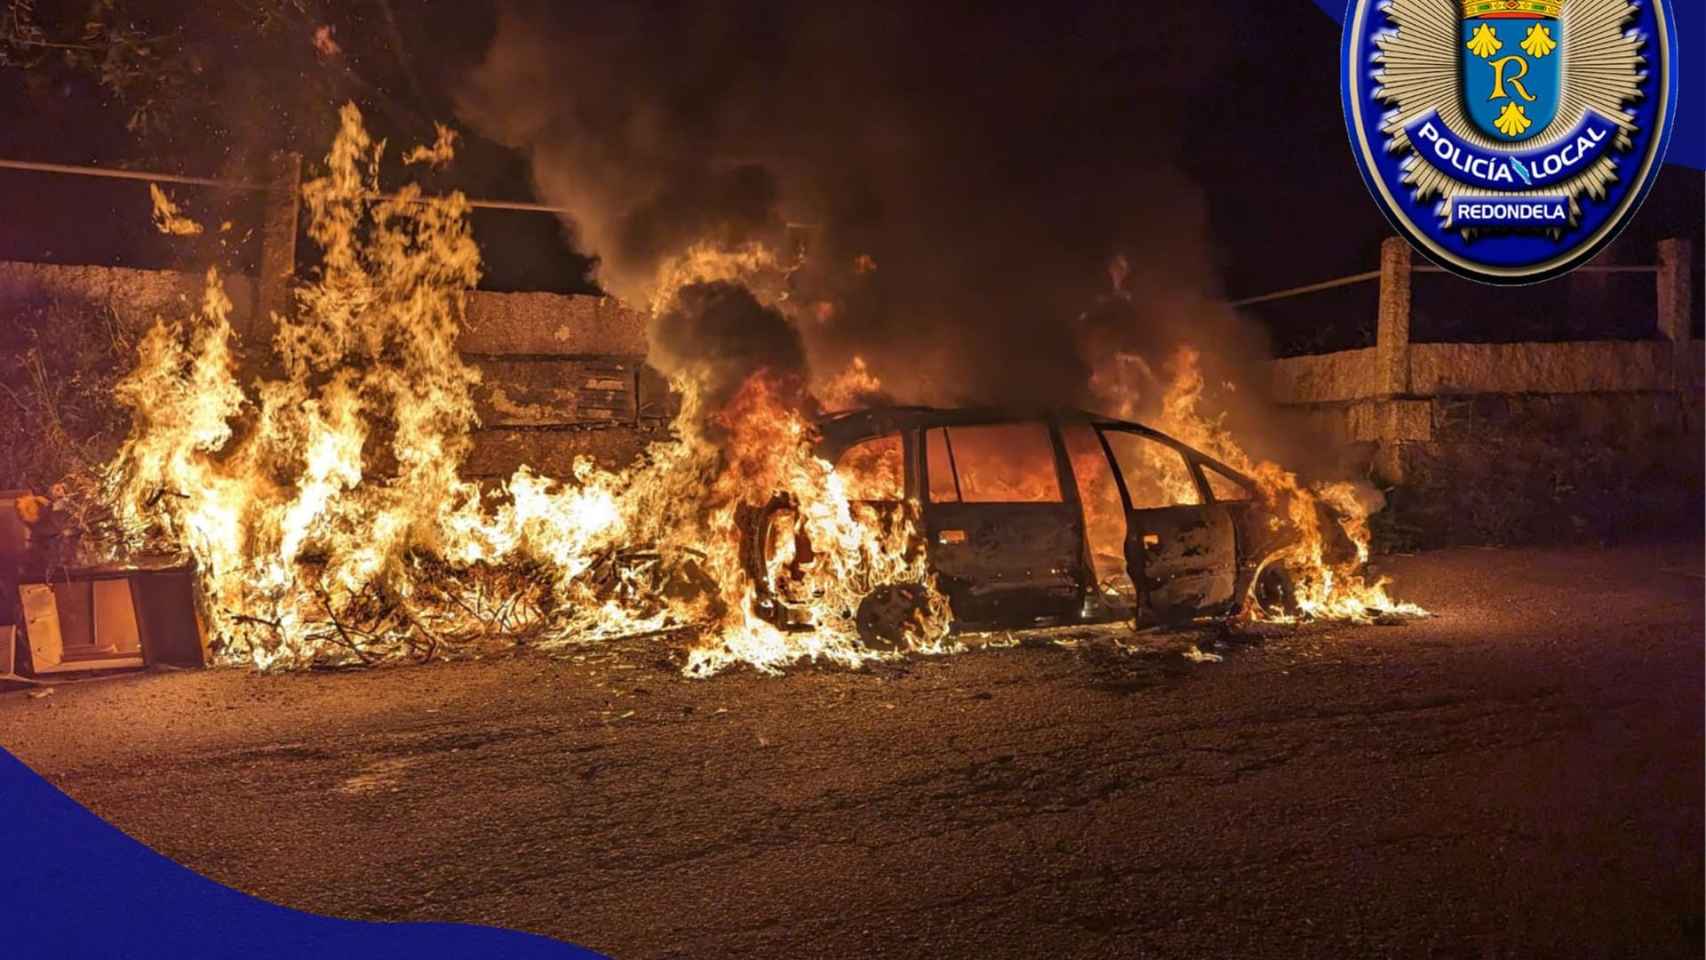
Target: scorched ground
[1518,776]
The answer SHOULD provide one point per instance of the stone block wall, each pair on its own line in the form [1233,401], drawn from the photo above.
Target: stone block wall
[1324,378]
[560,375]
[1505,442]
[1607,366]
[137,297]
[1521,466]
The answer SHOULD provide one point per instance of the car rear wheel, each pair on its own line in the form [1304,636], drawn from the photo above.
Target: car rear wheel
[890,613]
[1274,594]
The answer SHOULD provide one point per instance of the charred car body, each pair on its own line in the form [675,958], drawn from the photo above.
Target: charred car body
[1042,519]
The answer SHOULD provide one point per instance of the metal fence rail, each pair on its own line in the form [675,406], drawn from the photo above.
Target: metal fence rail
[1346,281]
[84,170]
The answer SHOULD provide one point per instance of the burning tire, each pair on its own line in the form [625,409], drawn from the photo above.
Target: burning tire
[775,551]
[892,615]
[779,555]
[1274,593]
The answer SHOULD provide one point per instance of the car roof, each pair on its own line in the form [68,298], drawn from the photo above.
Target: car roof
[843,429]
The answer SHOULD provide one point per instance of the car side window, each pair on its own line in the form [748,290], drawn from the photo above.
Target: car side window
[1155,474]
[944,486]
[874,469]
[1104,511]
[1224,487]
[992,463]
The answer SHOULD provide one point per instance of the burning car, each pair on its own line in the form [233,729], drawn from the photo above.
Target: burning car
[326,519]
[1044,519]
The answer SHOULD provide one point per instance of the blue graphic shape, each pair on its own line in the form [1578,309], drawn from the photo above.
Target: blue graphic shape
[1513,257]
[75,886]
[1508,78]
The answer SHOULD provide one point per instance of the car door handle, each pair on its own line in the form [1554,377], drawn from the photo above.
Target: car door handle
[951,536]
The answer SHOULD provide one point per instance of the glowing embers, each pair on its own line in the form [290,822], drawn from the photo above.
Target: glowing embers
[328,522]
[1319,532]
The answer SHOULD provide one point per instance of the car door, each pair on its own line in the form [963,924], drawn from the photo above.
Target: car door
[1005,531]
[1181,550]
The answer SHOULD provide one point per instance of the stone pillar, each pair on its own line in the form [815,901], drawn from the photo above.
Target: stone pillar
[1392,364]
[1676,291]
[1676,308]
[278,245]
[1392,337]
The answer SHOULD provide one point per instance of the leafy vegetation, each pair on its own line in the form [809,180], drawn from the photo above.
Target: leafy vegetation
[58,364]
[180,72]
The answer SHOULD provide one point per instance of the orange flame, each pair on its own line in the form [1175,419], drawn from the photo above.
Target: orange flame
[325,511]
[1321,589]
[326,514]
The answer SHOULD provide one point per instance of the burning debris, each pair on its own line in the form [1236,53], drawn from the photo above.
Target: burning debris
[324,508]
[1315,585]
[328,522]
[168,218]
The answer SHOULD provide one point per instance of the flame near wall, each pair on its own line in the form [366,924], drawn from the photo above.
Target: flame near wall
[324,507]
[326,515]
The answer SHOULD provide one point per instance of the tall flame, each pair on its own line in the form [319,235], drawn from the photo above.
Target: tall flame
[327,517]
[326,513]
[1320,587]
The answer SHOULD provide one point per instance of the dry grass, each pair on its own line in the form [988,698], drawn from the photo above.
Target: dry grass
[58,364]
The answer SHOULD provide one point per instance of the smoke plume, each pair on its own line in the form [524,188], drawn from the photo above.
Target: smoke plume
[717,335]
[959,185]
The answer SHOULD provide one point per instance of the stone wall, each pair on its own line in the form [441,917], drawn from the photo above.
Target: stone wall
[1519,466]
[1522,467]
[1600,366]
[560,375]
[551,324]
[137,297]
[1501,442]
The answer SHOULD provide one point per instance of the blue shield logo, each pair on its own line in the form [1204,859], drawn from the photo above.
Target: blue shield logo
[1510,51]
[1488,172]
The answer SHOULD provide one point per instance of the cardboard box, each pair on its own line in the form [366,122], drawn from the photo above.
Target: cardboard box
[113,618]
[81,625]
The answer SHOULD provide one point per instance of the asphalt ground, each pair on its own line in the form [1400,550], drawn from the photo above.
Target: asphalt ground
[1519,776]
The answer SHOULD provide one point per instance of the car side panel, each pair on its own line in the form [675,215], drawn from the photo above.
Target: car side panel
[1184,559]
[1006,562]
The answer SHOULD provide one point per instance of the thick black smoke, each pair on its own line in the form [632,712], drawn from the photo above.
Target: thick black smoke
[718,335]
[961,182]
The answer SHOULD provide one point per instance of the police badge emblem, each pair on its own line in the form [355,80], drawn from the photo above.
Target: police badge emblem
[1510,52]
[1509,140]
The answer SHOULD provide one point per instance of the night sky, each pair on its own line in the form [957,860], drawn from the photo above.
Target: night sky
[1002,157]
